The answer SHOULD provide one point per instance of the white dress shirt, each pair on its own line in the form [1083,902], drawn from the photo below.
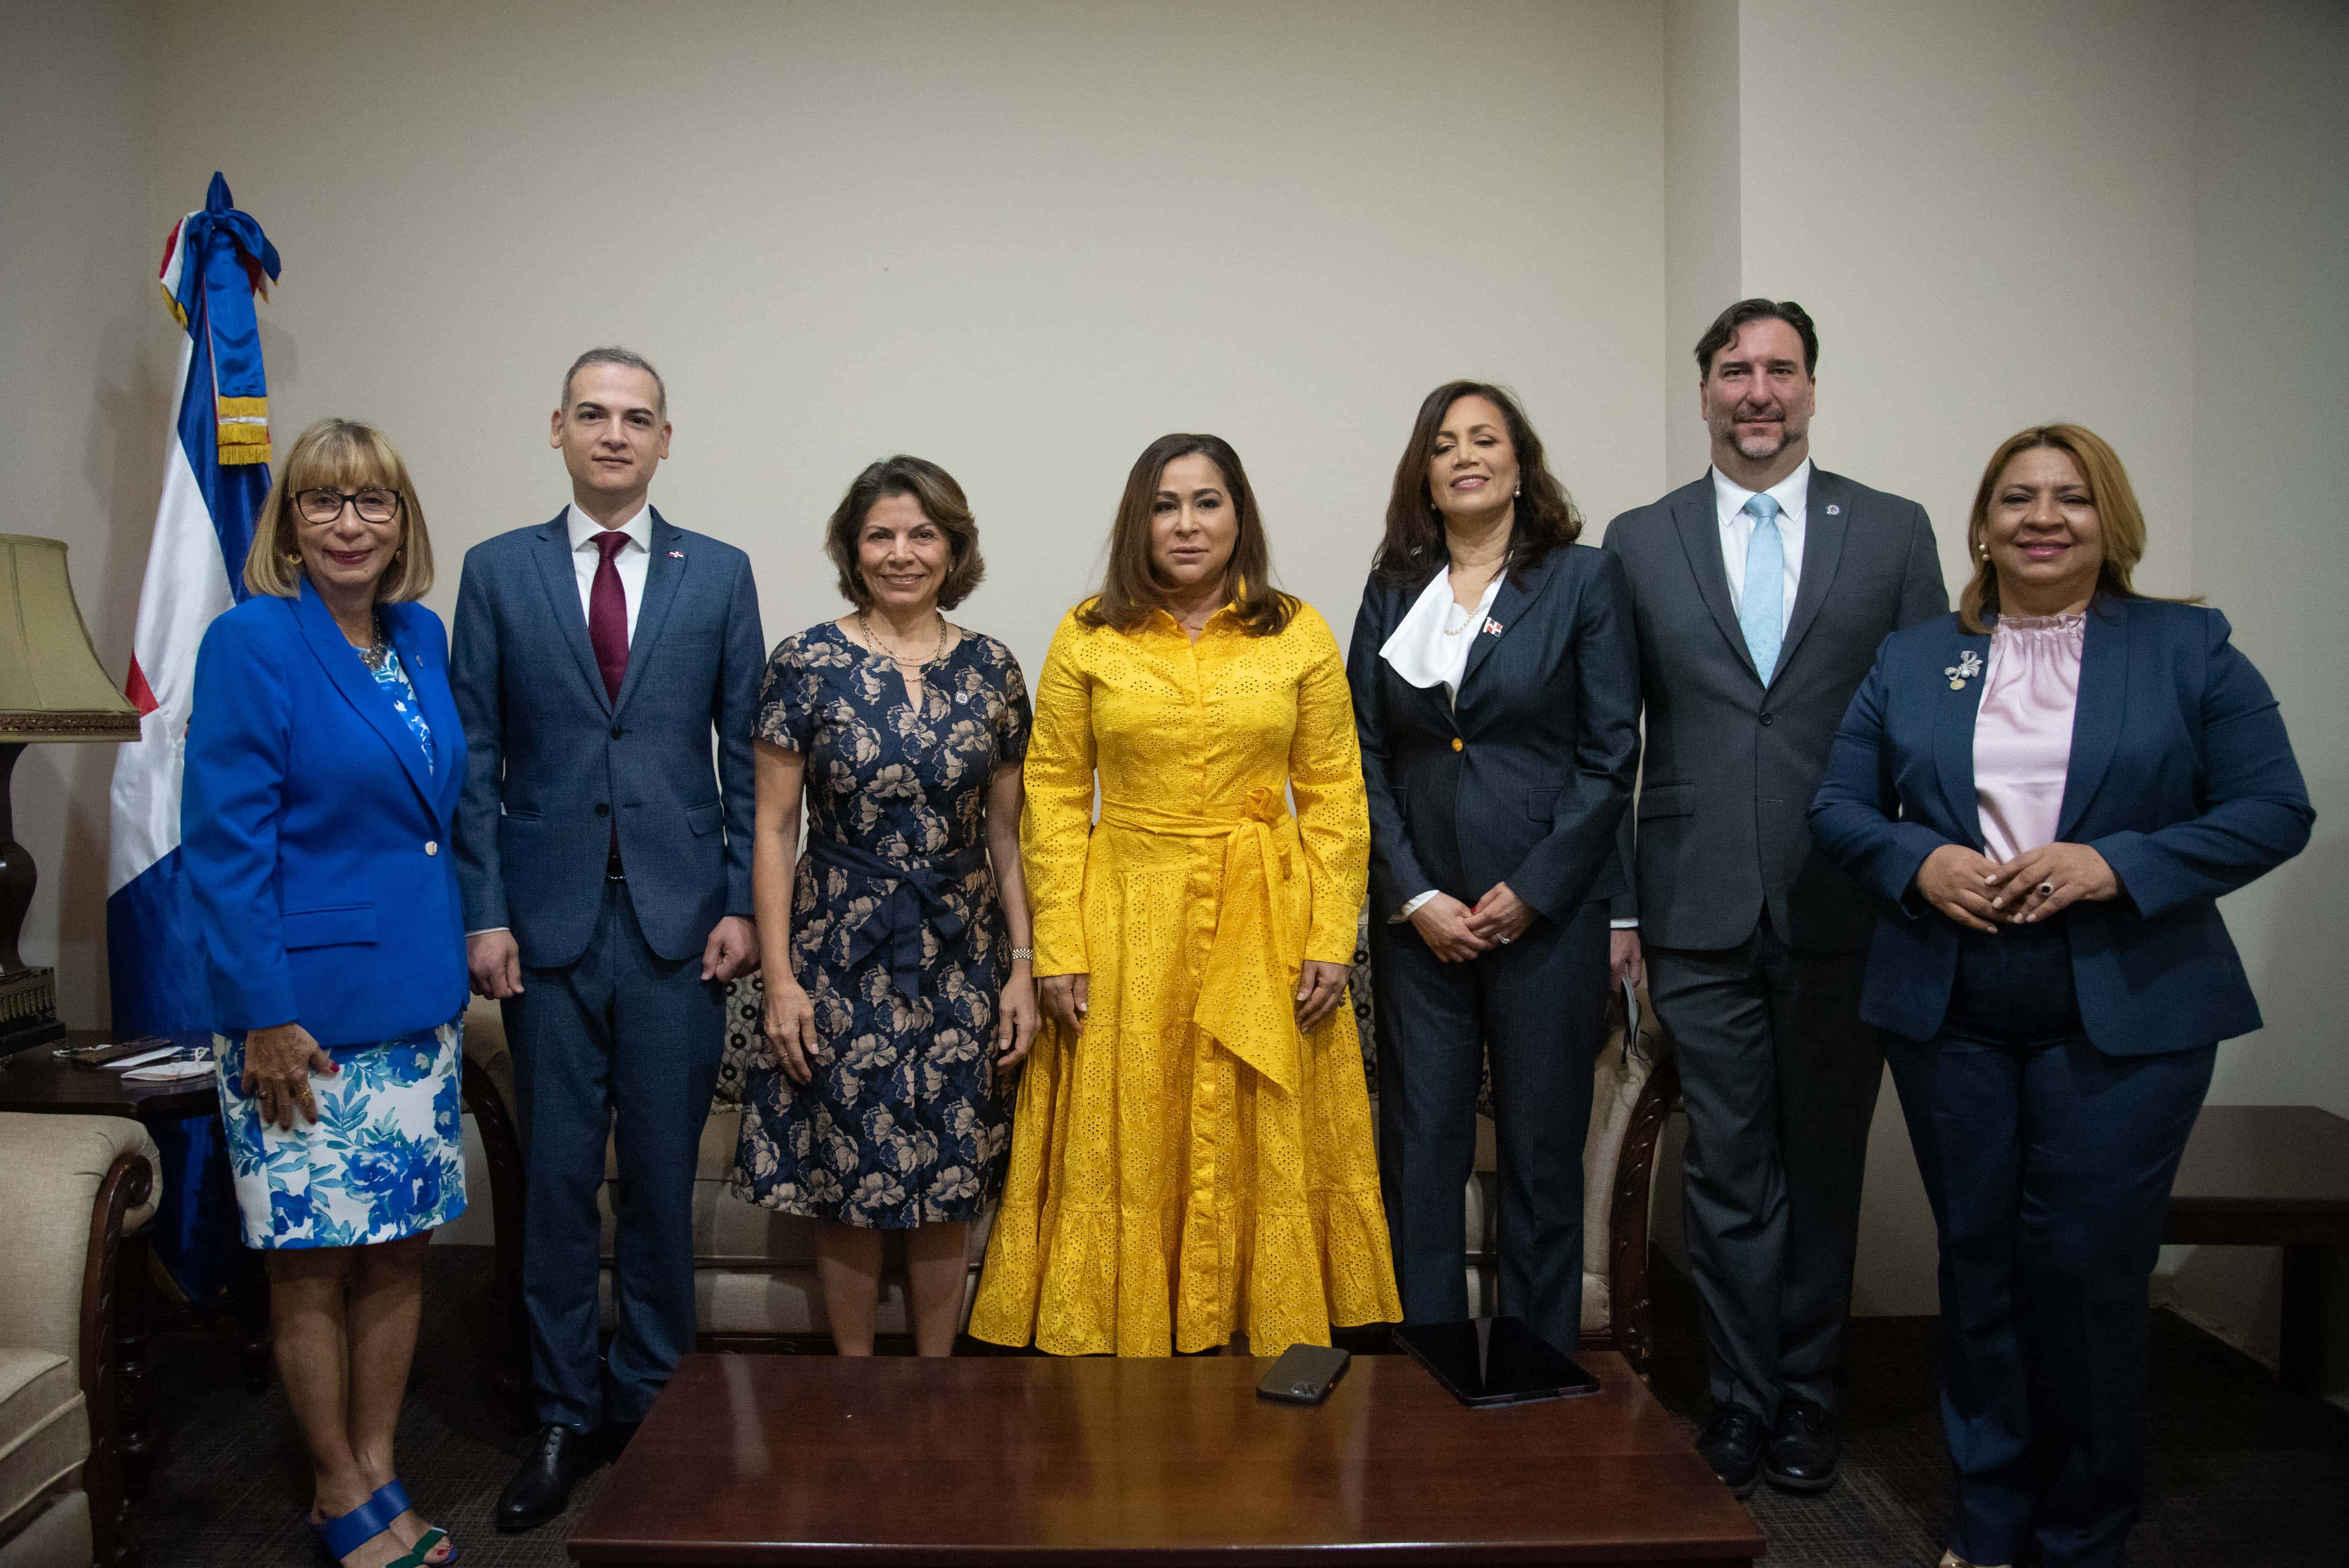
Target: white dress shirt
[1793,495]
[632,563]
[1430,647]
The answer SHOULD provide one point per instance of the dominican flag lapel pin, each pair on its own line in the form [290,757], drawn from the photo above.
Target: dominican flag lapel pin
[677,555]
[1492,627]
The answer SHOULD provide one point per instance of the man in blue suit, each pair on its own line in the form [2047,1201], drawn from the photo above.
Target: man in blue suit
[604,865]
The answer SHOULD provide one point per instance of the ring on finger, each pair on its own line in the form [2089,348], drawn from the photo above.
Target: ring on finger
[2045,889]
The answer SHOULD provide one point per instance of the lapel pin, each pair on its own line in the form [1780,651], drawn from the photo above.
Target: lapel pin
[1492,627]
[1968,667]
[1835,511]
[677,555]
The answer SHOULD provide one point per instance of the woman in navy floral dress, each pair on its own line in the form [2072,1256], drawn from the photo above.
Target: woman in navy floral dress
[899,992]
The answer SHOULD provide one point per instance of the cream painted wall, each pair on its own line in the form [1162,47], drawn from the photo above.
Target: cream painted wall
[82,387]
[2270,472]
[1021,240]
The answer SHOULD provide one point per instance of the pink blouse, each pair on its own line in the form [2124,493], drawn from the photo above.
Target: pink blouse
[2023,736]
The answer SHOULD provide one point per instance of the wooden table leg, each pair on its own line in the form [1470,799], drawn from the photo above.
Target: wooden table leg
[248,1292]
[134,1318]
[2300,1349]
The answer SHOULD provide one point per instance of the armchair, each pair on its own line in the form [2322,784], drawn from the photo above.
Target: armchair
[76,1196]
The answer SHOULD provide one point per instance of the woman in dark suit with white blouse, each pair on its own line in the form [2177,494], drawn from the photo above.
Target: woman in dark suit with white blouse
[1497,692]
[2050,789]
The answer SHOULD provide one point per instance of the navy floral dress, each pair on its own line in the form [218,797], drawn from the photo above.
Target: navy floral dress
[896,935]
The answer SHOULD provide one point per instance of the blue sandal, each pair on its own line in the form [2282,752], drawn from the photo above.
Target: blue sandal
[347,1533]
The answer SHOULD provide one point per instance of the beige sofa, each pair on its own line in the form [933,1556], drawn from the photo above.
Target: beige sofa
[72,1189]
[755,1283]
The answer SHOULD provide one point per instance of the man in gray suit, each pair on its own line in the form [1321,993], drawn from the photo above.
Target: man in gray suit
[1759,594]
[604,866]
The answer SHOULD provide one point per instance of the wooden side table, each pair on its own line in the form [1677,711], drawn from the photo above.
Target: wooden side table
[39,1081]
[2271,1176]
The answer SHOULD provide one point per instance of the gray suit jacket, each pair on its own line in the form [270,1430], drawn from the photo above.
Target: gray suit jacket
[1730,765]
[553,765]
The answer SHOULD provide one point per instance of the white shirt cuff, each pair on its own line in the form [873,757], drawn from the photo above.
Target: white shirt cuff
[487,929]
[1630,925]
[1410,905]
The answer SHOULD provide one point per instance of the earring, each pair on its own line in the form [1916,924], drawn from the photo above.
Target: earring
[1520,489]
[292,558]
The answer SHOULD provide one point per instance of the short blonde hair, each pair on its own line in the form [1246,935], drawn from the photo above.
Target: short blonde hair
[338,454]
[2119,519]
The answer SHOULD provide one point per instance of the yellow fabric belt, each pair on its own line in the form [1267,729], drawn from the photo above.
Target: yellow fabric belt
[1245,996]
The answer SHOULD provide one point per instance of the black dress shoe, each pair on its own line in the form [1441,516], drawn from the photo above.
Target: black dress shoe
[1804,1454]
[541,1489]
[1732,1444]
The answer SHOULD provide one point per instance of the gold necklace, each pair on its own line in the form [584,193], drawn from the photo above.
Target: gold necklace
[902,663]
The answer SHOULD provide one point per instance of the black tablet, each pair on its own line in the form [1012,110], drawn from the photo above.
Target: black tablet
[1494,1361]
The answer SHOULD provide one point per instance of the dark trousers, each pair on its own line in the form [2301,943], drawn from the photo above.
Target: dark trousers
[2049,1165]
[1780,1079]
[621,1034]
[1535,1005]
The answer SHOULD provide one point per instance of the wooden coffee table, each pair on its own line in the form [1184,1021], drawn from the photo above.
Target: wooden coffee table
[1024,1458]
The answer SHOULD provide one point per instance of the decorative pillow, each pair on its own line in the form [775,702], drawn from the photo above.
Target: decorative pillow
[745,1007]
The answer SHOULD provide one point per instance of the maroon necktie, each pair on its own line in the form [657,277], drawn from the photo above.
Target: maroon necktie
[607,615]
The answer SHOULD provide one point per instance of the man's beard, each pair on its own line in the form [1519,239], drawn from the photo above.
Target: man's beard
[1758,449]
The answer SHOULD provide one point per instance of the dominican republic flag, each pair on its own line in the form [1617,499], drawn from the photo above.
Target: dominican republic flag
[216,476]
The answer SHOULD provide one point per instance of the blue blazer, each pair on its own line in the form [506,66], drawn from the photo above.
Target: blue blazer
[556,763]
[316,845]
[1523,779]
[2180,777]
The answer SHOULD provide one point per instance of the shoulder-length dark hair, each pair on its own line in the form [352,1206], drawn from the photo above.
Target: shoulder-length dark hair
[2119,517]
[1413,547]
[942,502]
[1131,589]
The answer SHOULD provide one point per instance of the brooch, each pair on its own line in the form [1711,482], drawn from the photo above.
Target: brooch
[1835,511]
[1968,667]
[1492,627]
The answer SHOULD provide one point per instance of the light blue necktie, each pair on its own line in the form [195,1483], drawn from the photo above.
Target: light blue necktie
[1760,607]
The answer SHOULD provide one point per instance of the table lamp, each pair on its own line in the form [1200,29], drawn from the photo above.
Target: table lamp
[52,688]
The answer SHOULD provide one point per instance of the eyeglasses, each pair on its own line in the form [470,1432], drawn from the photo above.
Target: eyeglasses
[373,504]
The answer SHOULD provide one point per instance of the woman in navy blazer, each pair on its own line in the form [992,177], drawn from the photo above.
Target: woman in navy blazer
[2050,789]
[1496,694]
[324,763]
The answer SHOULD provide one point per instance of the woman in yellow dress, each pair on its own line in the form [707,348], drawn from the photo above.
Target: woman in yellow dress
[1191,1153]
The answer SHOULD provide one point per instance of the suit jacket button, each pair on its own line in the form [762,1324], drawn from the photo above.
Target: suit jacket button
[431,848]
[1768,718]
[602,809]
[617,732]
[1458,744]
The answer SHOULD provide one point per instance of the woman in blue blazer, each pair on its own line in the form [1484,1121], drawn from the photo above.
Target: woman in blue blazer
[2050,789]
[1496,694]
[324,763]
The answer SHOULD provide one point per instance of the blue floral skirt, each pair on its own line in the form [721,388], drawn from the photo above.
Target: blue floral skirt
[385,1157]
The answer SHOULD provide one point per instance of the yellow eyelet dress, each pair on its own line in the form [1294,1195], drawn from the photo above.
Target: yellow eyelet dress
[1190,1165]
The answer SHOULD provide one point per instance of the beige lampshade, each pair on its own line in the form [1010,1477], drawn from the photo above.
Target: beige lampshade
[52,687]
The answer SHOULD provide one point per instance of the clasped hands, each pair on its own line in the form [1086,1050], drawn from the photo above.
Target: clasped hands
[1456,932]
[1981,894]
